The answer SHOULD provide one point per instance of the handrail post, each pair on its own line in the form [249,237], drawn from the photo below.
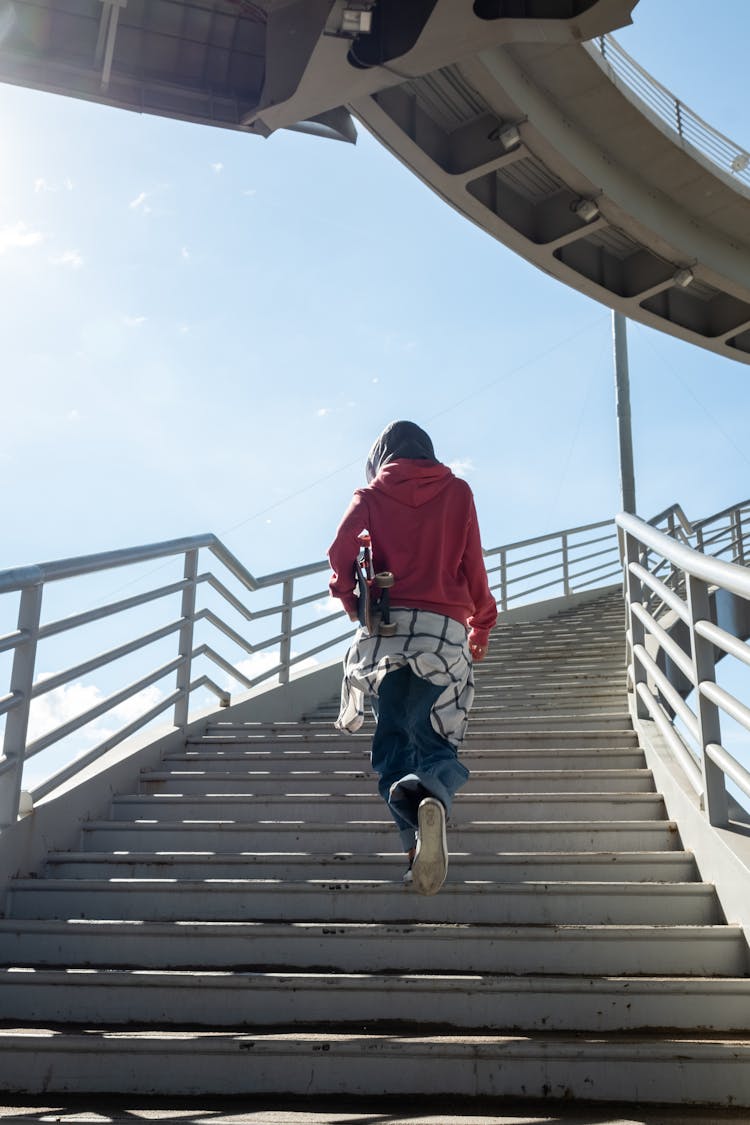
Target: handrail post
[565,565]
[184,672]
[636,633]
[739,553]
[285,650]
[21,684]
[503,580]
[709,721]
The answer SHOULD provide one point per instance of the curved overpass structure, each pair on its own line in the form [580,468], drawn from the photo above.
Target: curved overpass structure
[519,113]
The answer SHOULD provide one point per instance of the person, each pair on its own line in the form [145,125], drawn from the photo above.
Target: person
[423,527]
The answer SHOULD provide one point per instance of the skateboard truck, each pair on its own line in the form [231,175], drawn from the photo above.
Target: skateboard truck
[373,612]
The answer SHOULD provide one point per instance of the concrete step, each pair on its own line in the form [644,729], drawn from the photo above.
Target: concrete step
[364,947]
[342,810]
[378,833]
[664,867]
[645,1068]
[395,1001]
[489,903]
[341,782]
[287,760]
[512,739]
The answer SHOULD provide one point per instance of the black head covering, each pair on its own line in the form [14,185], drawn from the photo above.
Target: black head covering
[399,439]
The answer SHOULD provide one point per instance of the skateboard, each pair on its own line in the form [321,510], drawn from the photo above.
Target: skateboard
[373,611]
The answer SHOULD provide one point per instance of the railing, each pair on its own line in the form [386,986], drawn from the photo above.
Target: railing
[562,563]
[725,535]
[174,623]
[665,664]
[691,129]
[275,596]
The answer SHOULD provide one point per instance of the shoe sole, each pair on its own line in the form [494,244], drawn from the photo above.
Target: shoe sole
[431,861]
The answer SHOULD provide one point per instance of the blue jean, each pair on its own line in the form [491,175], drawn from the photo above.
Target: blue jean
[411,759]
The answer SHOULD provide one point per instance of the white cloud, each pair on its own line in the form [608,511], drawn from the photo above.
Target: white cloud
[133,321]
[69,258]
[461,466]
[40,184]
[138,201]
[67,702]
[18,236]
[185,254]
[323,411]
[218,167]
[183,328]
[73,415]
[250,191]
[328,605]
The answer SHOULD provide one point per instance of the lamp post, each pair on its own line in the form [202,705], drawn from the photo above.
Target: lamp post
[622,402]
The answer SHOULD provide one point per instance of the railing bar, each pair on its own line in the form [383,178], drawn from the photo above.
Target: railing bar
[206,681]
[39,573]
[535,574]
[211,580]
[101,708]
[543,538]
[92,755]
[11,700]
[731,767]
[670,735]
[53,682]
[612,550]
[316,624]
[729,644]
[744,506]
[572,549]
[617,573]
[11,640]
[713,571]
[54,627]
[320,648]
[310,598]
[213,619]
[727,702]
[591,570]
[676,702]
[211,654]
[534,589]
[535,558]
[671,648]
[667,596]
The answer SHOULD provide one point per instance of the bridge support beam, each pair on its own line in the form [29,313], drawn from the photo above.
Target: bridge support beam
[622,402]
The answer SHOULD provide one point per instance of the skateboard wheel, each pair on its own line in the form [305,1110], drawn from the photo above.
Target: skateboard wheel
[388,630]
[384,579]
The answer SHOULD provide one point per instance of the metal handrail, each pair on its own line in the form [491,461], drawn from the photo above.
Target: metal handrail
[682,122]
[572,560]
[659,691]
[291,614]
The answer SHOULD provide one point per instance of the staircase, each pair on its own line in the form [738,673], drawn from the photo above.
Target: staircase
[239,925]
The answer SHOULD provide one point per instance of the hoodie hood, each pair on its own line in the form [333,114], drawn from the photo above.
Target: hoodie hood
[412,482]
[399,440]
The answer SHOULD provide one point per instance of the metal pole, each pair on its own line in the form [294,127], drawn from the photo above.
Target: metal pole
[622,402]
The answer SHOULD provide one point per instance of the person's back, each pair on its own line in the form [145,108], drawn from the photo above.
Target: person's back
[423,525]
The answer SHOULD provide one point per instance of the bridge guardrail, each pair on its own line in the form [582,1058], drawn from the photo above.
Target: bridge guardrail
[665,665]
[692,130]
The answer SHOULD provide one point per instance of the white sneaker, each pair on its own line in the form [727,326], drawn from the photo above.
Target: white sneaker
[431,861]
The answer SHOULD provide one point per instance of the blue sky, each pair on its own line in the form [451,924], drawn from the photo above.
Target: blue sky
[205,331]
[200,325]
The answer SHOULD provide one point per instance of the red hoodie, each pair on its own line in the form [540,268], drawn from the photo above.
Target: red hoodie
[424,528]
